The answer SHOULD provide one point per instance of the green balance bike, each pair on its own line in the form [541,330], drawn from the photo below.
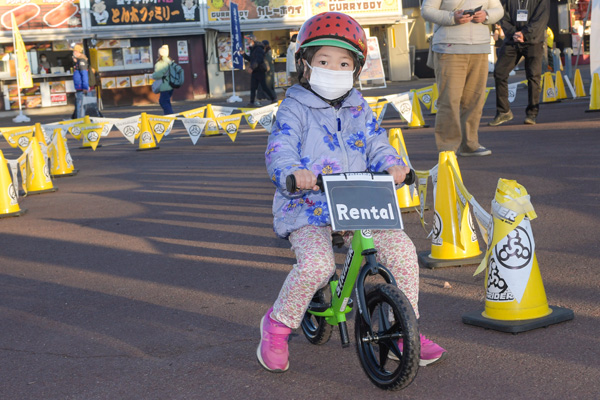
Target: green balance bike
[384,318]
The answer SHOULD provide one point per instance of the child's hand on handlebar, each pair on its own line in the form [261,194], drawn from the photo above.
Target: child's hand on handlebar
[306,180]
[399,173]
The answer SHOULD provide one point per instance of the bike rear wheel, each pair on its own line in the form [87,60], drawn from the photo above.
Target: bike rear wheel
[316,329]
[392,318]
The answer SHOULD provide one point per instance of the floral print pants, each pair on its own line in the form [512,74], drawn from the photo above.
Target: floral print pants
[316,264]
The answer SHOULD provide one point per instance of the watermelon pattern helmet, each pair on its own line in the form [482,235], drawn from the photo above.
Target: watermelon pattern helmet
[333,29]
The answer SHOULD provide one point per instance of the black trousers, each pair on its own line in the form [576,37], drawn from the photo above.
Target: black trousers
[508,58]
[259,78]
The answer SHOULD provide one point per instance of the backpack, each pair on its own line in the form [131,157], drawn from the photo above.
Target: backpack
[175,75]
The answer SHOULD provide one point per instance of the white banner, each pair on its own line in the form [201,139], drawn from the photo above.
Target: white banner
[194,127]
[512,91]
[129,127]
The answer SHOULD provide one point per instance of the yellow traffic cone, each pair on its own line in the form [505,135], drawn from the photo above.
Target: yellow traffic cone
[38,173]
[579,89]
[212,127]
[561,93]
[548,89]
[595,94]
[60,158]
[515,298]
[434,99]
[147,141]
[454,241]
[417,120]
[9,201]
[408,196]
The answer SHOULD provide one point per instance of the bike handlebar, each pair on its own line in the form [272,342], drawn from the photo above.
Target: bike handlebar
[290,181]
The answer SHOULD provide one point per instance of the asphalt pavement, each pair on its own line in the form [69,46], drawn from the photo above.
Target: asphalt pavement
[145,275]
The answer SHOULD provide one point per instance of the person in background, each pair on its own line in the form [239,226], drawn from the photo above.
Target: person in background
[290,61]
[269,74]
[161,71]
[524,25]
[548,61]
[44,66]
[259,68]
[461,46]
[80,79]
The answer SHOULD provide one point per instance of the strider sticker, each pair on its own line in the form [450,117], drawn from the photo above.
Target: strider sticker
[436,240]
[497,288]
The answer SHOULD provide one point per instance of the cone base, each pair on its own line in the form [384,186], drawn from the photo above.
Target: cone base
[598,110]
[54,189]
[14,214]
[415,127]
[73,173]
[149,148]
[551,102]
[558,314]
[425,260]
[89,147]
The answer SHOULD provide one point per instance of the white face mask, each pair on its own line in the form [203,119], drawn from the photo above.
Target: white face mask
[330,84]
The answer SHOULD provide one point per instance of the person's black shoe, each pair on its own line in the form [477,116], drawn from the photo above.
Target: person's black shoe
[501,118]
[530,120]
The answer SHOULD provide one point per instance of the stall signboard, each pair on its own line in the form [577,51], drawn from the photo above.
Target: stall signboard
[40,14]
[258,10]
[135,12]
[373,69]
[358,8]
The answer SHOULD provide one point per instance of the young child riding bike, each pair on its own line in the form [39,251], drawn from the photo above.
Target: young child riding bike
[324,126]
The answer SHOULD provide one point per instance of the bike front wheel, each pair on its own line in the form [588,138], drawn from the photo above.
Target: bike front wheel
[316,329]
[392,320]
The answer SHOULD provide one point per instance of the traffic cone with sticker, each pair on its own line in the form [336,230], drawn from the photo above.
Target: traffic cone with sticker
[37,170]
[417,120]
[579,89]
[454,241]
[408,196]
[595,94]
[9,202]
[515,296]
[212,127]
[60,158]
[561,93]
[147,141]
[548,89]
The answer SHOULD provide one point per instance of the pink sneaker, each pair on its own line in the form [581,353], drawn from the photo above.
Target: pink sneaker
[430,352]
[272,351]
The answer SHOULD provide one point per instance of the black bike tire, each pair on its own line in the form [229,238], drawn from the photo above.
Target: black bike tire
[316,329]
[408,365]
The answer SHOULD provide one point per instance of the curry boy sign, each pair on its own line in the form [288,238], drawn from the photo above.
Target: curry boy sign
[362,201]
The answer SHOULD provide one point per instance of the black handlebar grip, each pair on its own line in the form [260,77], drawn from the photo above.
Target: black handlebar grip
[290,183]
[410,177]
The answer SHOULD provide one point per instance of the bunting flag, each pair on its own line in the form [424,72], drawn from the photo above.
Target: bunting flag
[24,78]
[487,93]
[194,127]
[195,113]
[160,125]
[249,118]
[50,131]
[434,99]
[129,127]
[91,133]
[379,110]
[512,91]
[425,96]
[264,116]
[19,136]
[230,124]
[108,124]
[403,104]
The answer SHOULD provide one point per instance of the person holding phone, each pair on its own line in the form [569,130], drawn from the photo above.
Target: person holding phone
[524,25]
[461,44]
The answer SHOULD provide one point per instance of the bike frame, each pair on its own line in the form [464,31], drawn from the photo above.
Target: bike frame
[353,275]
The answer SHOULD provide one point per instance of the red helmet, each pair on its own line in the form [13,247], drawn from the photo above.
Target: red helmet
[333,29]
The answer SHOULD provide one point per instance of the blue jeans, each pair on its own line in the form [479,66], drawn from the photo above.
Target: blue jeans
[165,101]
[79,113]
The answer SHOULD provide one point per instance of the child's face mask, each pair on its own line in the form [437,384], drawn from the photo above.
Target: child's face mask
[330,84]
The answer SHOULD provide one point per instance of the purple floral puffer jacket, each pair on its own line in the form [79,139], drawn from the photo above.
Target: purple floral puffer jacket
[311,134]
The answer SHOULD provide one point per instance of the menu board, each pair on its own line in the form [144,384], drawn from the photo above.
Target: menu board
[108,83]
[127,13]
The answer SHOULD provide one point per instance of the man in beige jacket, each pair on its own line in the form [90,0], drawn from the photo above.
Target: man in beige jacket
[461,44]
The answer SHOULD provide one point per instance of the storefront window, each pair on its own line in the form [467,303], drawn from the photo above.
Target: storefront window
[117,55]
